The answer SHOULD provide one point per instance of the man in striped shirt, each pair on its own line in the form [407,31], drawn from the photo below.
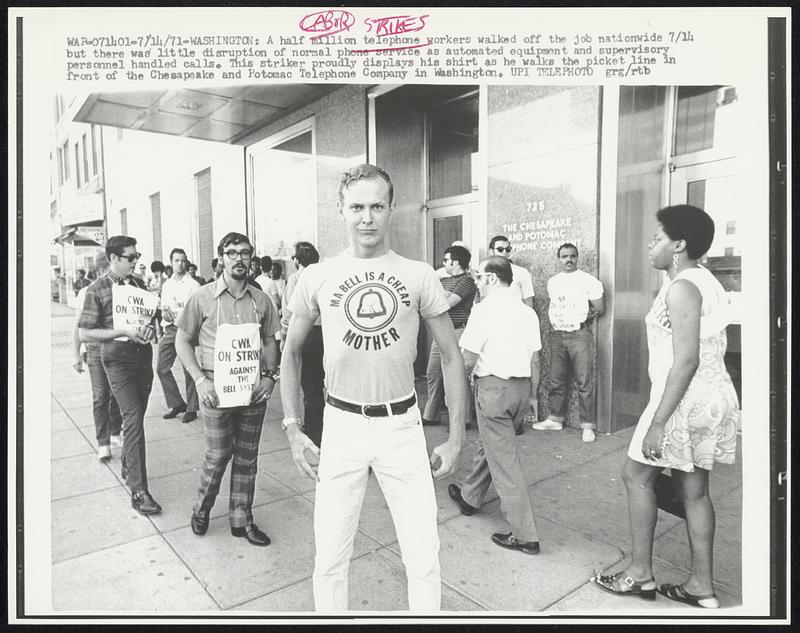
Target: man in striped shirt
[460,293]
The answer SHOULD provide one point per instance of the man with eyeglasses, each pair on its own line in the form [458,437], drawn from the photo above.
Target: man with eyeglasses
[120,313]
[233,324]
[371,301]
[501,346]
[459,289]
[174,294]
[522,283]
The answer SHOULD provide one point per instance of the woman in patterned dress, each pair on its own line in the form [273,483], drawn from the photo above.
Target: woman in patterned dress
[691,419]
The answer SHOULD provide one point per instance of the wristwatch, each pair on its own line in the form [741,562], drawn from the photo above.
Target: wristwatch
[270,373]
[287,422]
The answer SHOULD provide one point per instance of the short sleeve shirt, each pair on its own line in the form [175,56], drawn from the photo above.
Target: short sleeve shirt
[504,333]
[463,286]
[370,311]
[214,302]
[286,315]
[522,283]
[570,294]
[98,306]
[79,310]
[175,293]
[81,299]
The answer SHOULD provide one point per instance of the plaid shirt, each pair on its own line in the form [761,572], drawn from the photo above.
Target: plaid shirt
[98,307]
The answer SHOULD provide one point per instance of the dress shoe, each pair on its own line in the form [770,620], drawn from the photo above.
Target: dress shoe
[143,503]
[104,453]
[547,425]
[173,413]
[509,541]
[252,534]
[189,416]
[455,494]
[200,523]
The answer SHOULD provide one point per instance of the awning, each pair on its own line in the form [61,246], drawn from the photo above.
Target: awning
[77,239]
[226,113]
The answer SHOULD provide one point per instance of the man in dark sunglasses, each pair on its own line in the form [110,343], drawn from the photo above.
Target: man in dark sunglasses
[522,284]
[120,313]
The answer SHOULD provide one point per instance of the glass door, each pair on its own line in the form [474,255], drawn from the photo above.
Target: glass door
[452,184]
[283,191]
[705,171]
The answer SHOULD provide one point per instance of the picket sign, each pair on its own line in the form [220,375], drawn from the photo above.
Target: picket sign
[132,307]
[237,363]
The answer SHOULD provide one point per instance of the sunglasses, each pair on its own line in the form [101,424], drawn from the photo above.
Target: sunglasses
[131,258]
[503,249]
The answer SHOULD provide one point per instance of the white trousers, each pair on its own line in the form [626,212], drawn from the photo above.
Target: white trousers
[395,449]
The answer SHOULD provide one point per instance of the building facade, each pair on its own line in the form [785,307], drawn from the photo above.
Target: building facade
[541,165]
[77,210]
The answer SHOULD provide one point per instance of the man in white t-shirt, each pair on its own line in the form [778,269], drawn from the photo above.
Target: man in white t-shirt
[522,283]
[576,298]
[371,301]
[174,294]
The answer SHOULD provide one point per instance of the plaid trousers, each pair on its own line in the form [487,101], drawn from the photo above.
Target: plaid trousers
[233,432]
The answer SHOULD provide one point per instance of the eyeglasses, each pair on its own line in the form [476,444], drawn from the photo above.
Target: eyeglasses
[244,253]
[131,258]
[479,275]
[503,249]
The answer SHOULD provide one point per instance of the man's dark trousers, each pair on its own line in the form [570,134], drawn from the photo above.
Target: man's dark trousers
[129,367]
[166,358]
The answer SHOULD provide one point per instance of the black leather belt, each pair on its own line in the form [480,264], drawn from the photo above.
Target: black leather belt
[373,410]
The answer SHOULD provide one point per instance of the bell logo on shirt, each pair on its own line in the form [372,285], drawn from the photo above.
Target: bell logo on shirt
[370,301]
[371,307]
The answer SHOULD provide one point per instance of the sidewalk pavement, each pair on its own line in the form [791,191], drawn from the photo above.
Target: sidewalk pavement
[107,558]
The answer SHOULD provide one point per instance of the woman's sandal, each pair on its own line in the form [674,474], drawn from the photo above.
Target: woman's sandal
[679,594]
[633,588]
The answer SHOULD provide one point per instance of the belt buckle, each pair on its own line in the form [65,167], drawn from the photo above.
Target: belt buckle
[364,408]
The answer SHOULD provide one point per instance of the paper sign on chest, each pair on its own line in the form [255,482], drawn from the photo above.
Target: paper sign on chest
[237,363]
[133,307]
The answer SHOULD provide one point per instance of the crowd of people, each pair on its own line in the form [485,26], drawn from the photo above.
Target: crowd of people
[342,333]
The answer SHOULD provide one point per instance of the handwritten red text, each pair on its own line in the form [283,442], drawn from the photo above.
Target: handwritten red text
[324,23]
[395,25]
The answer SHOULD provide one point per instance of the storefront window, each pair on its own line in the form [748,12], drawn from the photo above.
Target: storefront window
[283,188]
[705,172]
